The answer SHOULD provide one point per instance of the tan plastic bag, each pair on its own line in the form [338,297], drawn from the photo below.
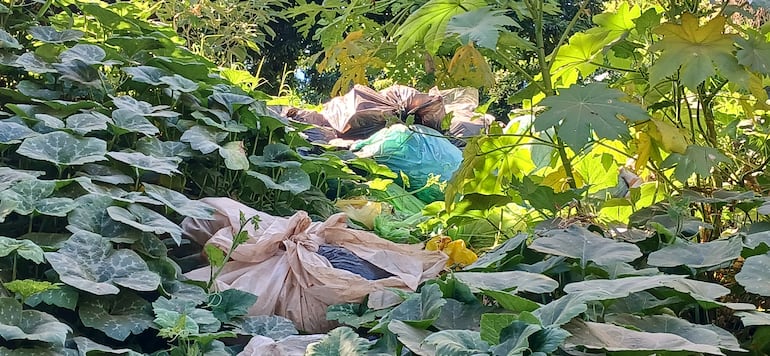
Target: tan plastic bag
[280,265]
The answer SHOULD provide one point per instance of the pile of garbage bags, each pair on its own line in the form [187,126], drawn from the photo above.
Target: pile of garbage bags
[297,268]
[374,124]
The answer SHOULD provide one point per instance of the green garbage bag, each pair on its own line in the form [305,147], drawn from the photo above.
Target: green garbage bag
[417,151]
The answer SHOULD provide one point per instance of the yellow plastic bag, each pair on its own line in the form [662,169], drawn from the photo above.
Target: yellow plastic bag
[360,210]
[458,253]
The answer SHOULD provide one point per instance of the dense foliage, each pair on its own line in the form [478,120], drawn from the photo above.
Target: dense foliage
[112,125]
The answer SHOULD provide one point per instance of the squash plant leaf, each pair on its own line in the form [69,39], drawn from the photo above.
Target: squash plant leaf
[117,316]
[709,255]
[234,155]
[696,160]
[699,334]
[457,343]
[33,325]
[180,203]
[86,53]
[578,111]
[203,138]
[519,280]
[49,34]
[481,26]
[7,41]
[231,303]
[753,275]
[87,346]
[340,341]
[88,262]
[83,123]
[412,337]
[80,72]
[754,52]
[163,165]
[146,74]
[694,51]
[170,313]
[34,63]
[132,121]
[25,249]
[63,149]
[13,133]
[579,243]
[273,326]
[145,219]
[429,23]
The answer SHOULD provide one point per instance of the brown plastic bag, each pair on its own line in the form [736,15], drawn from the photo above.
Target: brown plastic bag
[280,265]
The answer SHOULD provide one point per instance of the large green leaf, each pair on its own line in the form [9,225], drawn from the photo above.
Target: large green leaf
[25,249]
[707,46]
[710,255]
[7,41]
[695,160]
[754,52]
[514,338]
[562,310]
[429,23]
[87,346]
[419,310]
[231,303]
[116,316]
[602,289]
[412,337]
[234,154]
[293,180]
[340,341]
[170,313]
[84,123]
[86,53]
[10,176]
[754,274]
[146,74]
[62,297]
[49,34]
[13,133]
[612,338]
[88,262]
[33,63]
[519,280]
[63,149]
[29,194]
[147,220]
[33,325]
[163,165]
[495,257]
[273,326]
[80,72]
[752,318]
[180,203]
[353,314]
[493,323]
[481,26]
[511,301]
[133,122]
[152,146]
[457,343]
[698,334]
[456,315]
[579,243]
[203,138]
[578,112]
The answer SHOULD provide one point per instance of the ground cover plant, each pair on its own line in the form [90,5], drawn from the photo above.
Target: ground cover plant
[111,129]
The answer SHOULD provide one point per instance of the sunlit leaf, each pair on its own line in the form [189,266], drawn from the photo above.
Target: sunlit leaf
[457,342]
[180,203]
[13,133]
[162,165]
[481,26]
[753,275]
[696,160]
[579,243]
[708,255]
[133,122]
[84,123]
[520,280]
[579,112]
[147,220]
[146,74]
[234,155]
[428,24]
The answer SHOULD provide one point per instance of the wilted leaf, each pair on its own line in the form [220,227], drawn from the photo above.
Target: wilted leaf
[147,220]
[340,341]
[273,326]
[18,324]
[63,149]
[88,262]
[579,243]
[117,316]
